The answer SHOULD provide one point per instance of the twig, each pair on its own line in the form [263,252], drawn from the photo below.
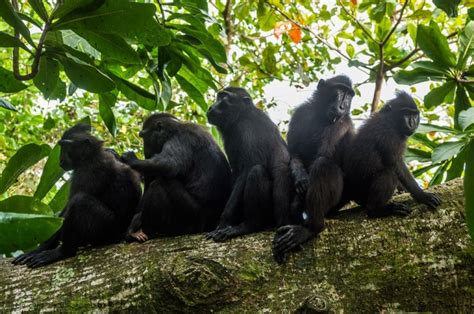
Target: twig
[396,24]
[163,19]
[319,38]
[357,22]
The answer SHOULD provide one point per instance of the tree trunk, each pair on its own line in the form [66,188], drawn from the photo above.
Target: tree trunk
[420,263]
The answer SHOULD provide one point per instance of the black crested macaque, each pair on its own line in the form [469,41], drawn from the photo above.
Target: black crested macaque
[103,198]
[259,161]
[374,166]
[187,179]
[319,131]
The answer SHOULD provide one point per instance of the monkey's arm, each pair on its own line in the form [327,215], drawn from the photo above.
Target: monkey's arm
[232,204]
[409,183]
[299,174]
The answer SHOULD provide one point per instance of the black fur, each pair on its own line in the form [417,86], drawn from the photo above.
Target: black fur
[374,163]
[187,178]
[259,160]
[319,131]
[103,198]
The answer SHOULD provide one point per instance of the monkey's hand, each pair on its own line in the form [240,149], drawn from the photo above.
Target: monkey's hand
[301,183]
[287,239]
[129,157]
[432,200]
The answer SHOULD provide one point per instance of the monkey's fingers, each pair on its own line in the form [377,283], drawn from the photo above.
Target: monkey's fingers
[401,210]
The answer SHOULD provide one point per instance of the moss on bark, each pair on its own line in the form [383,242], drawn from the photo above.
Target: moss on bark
[420,263]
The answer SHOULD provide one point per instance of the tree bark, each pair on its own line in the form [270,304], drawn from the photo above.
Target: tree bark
[424,262]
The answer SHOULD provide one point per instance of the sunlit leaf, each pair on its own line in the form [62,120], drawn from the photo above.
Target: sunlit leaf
[466,118]
[437,95]
[446,150]
[51,173]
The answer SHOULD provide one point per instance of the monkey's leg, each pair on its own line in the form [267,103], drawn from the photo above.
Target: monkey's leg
[379,193]
[257,206]
[87,221]
[324,193]
[281,195]
[52,242]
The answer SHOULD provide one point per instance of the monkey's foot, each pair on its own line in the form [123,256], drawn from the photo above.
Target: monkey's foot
[224,234]
[287,239]
[23,258]
[138,235]
[391,209]
[48,257]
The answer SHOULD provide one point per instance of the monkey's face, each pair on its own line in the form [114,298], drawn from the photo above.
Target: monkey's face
[339,103]
[77,150]
[227,108]
[408,121]
[155,133]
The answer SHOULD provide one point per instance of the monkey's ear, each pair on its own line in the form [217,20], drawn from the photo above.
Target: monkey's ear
[321,84]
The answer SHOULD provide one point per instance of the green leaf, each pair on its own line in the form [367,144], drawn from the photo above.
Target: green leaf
[67,6]
[52,172]
[8,82]
[25,205]
[416,76]
[166,90]
[215,47]
[466,45]
[448,6]
[457,166]
[7,40]
[437,95]
[59,201]
[39,8]
[417,154]
[86,76]
[106,103]
[59,91]
[47,77]
[24,231]
[435,45]
[470,12]
[112,46]
[192,92]
[461,102]
[11,18]
[24,158]
[350,50]
[439,174]
[112,18]
[446,150]
[466,118]
[142,97]
[424,128]
[5,104]
[469,187]
[430,67]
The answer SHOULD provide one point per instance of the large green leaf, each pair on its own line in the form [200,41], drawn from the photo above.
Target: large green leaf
[215,47]
[435,45]
[461,102]
[431,66]
[457,166]
[24,158]
[25,204]
[39,8]
[446,150]
[8,82]
[86,76]
[448,6]
[11,17]
[7,40]
[67,6]
[424,128]
[51,173]
[469,187]
[59,200]
[6,104]
[24,231]
[417,154]
[437,95]
[466,45]
[192,92]
[131,20]
[135,93]
[112,46]
[106,103]
[48,76]
[466,118]
[417,75]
